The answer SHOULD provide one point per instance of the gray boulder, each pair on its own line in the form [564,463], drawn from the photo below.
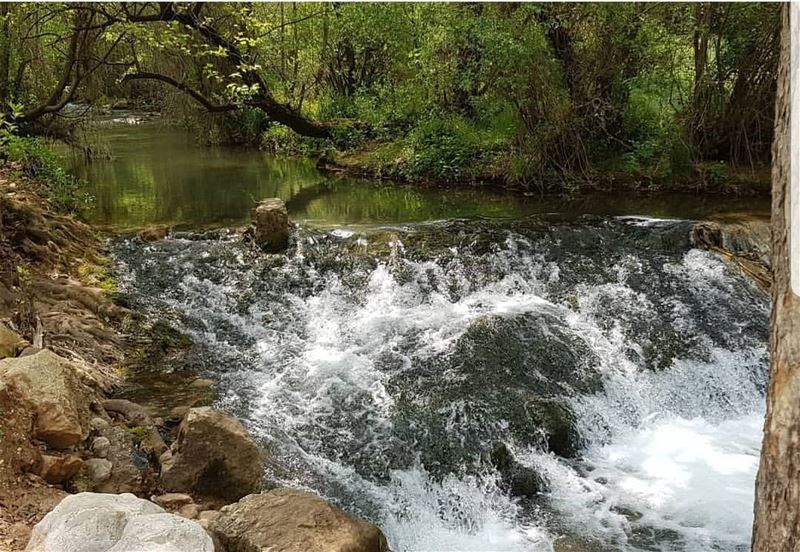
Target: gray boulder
[92,522]
[289,520]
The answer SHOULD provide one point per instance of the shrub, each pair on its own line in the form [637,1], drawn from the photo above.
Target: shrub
[66,191]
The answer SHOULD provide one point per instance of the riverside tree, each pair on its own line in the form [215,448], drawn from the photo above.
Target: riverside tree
[777,505]
[519,89]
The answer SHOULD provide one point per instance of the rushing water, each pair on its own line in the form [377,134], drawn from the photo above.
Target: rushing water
[384,365]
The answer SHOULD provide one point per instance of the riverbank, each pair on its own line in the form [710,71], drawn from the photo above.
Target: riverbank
[67,444]
[394,162]
[54,294]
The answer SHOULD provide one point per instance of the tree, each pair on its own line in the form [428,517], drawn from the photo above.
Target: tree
[777,505]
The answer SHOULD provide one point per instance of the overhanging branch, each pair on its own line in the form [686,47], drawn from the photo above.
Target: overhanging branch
[205,102]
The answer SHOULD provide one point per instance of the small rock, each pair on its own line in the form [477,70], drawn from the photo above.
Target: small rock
[202,383]
[189,511]
[131,472]
[290,520]
[270,228]
[98,424]
[155,232]
[98,469]
[57,469]
[207,517]
[100,447]
[173,501]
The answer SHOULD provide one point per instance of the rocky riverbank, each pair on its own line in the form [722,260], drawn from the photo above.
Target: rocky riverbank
[106,469]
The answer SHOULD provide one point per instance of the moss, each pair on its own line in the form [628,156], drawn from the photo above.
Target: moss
[95,271]
[139,433]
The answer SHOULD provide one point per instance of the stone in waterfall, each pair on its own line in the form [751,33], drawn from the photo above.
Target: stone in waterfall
[516,478]
[270,229]
[744,242]
[51,387]
[95,522]
[290,520]
[154,232]
[213,456]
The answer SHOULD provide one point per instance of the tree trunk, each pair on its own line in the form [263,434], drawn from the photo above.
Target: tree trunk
[777,506]
[5,56]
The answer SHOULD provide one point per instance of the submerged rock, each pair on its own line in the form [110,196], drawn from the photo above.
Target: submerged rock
[517,479]
[290,520]
[94,522]
[52,389]
[270,229]
[557,423]
[213,456]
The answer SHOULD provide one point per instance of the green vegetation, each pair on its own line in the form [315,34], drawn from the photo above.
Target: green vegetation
[529,95]
[38,161]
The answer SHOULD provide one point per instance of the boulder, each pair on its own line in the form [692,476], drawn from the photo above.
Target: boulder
[94,522]
[290,520]
[743,242]
[11,344]
[270,229]
[57,469]
[213,456]
[52,389]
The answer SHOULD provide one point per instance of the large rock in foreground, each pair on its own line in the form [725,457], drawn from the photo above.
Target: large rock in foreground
[51,387]
[213,456]
[288,520]
[270,229]
[92,522]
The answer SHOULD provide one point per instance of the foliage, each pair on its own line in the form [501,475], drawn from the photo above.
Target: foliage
[39,162]
[531,90]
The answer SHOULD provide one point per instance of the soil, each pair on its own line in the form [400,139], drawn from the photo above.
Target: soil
[56,292]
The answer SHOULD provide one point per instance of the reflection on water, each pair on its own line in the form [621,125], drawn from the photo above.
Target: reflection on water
[158,174]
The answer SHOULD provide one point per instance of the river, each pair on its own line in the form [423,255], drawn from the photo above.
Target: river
[412,340]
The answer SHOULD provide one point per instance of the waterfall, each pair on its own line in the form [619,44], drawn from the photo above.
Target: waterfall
[380,368]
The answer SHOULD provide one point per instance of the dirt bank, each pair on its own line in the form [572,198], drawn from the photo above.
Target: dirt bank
[55,293]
